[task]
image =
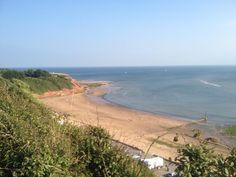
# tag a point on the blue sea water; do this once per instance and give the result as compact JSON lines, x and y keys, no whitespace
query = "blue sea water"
{"x":189,"y":92}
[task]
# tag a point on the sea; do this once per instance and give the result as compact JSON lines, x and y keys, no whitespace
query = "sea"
{"x":189,"y":92}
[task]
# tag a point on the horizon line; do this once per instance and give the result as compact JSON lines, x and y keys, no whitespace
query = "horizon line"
{"x":128,"y":66}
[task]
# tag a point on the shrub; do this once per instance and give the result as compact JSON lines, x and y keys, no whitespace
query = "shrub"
{"x":33,"y":73}
{"x":10,"y":74}
{"x":36,"y":73}
{"x":230,"y":163}
{"x":201,"y":161}
{"x":93,"y":147}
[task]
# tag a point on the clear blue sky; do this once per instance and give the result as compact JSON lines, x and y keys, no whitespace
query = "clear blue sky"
{"x":37,"y":33}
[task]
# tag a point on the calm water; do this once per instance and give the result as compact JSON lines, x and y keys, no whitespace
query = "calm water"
{"x":189,"y":92}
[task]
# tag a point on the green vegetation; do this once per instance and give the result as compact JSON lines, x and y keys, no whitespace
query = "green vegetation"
{"x":230,"y":130}
{"x":39,"y":81}
{"x":51,"y":83}
{"x":201,"y":161}
{"x":34,"y":144}
{"x":93,"y":85}
{"x":12,"y":74}
{"x":36,"y":73}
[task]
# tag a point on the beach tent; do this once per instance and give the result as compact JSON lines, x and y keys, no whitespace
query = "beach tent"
{"x":154,"y":162}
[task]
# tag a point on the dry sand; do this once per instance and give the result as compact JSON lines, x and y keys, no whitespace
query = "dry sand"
{"x":132,"y":127}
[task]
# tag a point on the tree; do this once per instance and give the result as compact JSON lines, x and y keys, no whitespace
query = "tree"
{"x":36,"y":73}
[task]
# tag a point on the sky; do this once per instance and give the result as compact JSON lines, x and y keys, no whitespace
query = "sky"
{"x":81,"y":33}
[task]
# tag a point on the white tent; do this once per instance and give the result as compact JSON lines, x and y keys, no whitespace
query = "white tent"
{"x":154,"y":162}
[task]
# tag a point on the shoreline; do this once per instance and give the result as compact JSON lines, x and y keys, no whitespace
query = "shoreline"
{"x":201,"y":124}
{"x":100,"y":97}
{"x":130,"y":126}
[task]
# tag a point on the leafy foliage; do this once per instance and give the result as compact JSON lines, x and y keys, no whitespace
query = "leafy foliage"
{"x":201,"y":161}
{"x":93,"y":146}
{"x":36,"y":73}
{"x":12,"y":74}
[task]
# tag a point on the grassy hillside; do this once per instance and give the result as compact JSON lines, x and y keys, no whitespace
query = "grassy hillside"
{"x":51,"y":83}
{"x":33,"y":143}
{"x":39,"y":81}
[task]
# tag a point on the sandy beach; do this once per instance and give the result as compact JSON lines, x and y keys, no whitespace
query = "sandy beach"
{"x":85,"y":105}
{"x":132,"y":127}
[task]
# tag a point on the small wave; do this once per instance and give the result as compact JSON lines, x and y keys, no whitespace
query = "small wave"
{"x":210,"y":83}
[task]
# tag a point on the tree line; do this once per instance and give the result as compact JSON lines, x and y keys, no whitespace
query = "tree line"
{"x":15,"y":74}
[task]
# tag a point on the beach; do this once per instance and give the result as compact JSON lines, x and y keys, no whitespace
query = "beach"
{"x":135,"y":128}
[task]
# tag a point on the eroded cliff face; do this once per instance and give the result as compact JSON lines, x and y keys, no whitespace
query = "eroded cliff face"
{"x":77,"y":88}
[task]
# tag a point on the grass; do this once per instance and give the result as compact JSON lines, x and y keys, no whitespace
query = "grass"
{"x":93,"y":85}
{"x":51,"y":83}
{"x":230,"y":130}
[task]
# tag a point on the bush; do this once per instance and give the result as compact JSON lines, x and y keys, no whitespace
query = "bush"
{"x":14,"y":74}
{"x":36,"y":73}
{"x":93,"y":147}
{"x":200,"y":161}
{"x":101,"y":158}
{"x":11,"y":74}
